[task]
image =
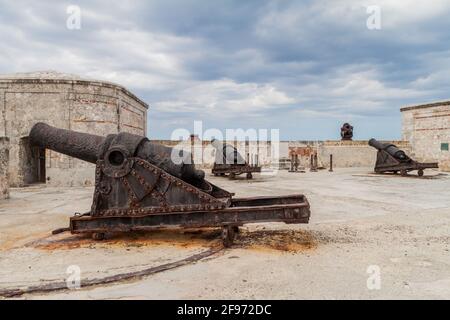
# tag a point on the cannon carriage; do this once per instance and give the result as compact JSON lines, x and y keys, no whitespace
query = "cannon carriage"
{"x":141,"y":185}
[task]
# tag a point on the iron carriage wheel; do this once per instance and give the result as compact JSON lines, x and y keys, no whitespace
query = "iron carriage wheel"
{"x":228,"y":235}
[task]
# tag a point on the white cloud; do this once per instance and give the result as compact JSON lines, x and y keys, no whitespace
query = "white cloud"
{"x":227,"y":98}
{"x":410,"y":12}
{"x":366,"y":85}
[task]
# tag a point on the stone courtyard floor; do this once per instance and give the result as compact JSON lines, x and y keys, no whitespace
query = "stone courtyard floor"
{"x":361,"y":223}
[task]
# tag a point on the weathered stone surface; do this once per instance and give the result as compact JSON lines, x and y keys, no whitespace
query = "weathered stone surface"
{"x":346,"y":154}
{"x":4,"y":163}
{"x":65,"y":101}
{"x":427,"y":128}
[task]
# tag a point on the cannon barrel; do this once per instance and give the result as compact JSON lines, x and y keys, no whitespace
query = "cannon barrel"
{"x":390,"y":149}
{"x":90,"y":148}
{"x":376,"y":144}
{"x":79,"y":145}
{"x":226,"y":153}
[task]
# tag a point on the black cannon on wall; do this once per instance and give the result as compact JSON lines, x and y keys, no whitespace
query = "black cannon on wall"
{"x":229,"y":161}
{"x":141,"y":185}
{"x":346,"y":132}
{"x":392,"y":159}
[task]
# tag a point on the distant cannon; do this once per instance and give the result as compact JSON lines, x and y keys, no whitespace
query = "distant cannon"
{"x":391,"y":159}
{"x":346,"y":132}
{"x":229,"y":161}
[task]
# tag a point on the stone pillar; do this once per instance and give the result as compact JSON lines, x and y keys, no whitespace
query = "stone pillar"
{"x":4,"y":163}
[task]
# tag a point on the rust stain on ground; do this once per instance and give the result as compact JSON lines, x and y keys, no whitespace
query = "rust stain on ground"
{"x":179,"y":238}
{"x":278,"y":240}
{"x":14,"y":241}
{"x":293,"y":241}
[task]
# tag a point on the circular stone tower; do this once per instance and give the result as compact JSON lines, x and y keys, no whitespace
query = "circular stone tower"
{"x":65,"y":101}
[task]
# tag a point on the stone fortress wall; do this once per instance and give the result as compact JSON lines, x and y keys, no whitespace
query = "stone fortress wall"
{"x":427,"y":127}
{"x":267,"y":154}
{"x":64,"y":101}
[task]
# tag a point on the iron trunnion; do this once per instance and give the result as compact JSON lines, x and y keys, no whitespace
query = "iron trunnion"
{"x":139,"y":187}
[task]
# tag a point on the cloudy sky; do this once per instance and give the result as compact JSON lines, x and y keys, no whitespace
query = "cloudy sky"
{"x":302,"y":66}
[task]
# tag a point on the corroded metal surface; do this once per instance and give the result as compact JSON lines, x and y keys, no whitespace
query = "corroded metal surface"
{"x":392,"y":159}
{"x":347,"y":132}
{"x":90,"y":148}
{"x":75,"y":144}
{"x":139,"y":187}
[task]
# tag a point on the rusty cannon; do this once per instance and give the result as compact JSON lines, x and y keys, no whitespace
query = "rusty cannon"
{"x":346,"y":132}
{"x":229,"y":161}
{"x":141,"y":185}
{"x":391,"y":159}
